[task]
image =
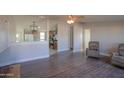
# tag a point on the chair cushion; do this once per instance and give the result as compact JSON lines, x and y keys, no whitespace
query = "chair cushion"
{"x":93,"y":53}
{"x":118,"y":59}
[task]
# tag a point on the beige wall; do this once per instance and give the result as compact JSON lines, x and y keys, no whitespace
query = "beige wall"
{"x":109,"y":34}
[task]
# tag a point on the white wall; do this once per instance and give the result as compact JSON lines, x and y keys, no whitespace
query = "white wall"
{"x":78,"y":37}
{"x":109,"y":34}
{"x":11,"y":30}
{"x":24,"y":52}
{"x":52,"y":24}
{"x":63,"y":33}
{"x":63,"y":36}
{"x":3,"y":34}
{"x":23,"y":22}
{"x":17,"y":52}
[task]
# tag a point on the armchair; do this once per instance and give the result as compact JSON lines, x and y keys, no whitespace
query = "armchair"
{"x":118,"y":58}
{"x":93,"y":50}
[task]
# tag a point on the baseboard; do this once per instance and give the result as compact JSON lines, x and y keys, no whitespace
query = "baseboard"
{"x":61,"y":50}
{"x":31,"y":59}
{"x":23,"y":60}
{"x":80,"y":50}
{"x":104,"y":54}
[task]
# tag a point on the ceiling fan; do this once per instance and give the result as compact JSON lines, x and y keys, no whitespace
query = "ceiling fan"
{"x":74,"y":18}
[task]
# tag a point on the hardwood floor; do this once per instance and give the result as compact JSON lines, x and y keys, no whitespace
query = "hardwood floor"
{"x":70,"y":65}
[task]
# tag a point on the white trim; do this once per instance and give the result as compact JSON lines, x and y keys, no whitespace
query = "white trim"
{"x":104,"y":54}
{"x":23,"y":60}
{"x":61,"y":50}
{"x":78,"y":50}
{"x":31,"y":59}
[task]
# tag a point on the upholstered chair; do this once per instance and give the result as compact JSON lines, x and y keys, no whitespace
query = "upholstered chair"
{"x":118,"y":58}
{"x":93,"y":50}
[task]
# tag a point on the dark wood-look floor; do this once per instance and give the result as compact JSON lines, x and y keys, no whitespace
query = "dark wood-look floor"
{"x":70,"y":65}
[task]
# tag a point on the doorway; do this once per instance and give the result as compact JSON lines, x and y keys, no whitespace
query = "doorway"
{"x":53,"y":41}
{"x":71,"y":38}
{"x":87,"y":39}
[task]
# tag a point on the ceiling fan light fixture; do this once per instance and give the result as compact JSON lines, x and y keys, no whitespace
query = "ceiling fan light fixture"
{"x":70,"y":20}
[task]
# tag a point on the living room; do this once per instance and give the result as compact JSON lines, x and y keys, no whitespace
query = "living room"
{"x":25,"y":40}
{"x":66,"y":46}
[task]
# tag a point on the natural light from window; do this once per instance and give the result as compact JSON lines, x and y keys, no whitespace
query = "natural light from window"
{"x":42,"y":36}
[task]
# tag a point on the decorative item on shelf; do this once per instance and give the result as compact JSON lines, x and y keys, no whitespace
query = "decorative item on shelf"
{"x":70,"y":19}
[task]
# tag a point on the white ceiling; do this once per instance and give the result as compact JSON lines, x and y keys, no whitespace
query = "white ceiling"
{"x":99,"y":18}
{"x":82,"y":18}
{"x":91,"y":18}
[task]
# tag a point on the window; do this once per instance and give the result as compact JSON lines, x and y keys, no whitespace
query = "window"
{"x":17,"y":37}
{"x":42,"y":36}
